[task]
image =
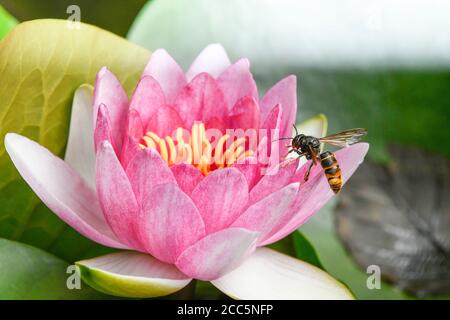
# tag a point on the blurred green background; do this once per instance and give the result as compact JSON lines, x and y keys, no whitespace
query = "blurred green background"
{"x":369,"y":66}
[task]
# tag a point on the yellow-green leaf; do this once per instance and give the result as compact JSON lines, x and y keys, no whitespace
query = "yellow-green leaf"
{"x":42,"y":62}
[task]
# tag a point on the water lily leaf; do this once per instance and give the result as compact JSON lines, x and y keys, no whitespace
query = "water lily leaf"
{"x":285,"y":245}
{"x":112,"y":15}
{"x":320,"y":231}
{"x":42,"y":62}
{"x":354,"y":88}
{"x":305,"y":251}
{"x":297,"y":245}
{"x":398,"y":218}
{"x":7,"y":22}
{"x":205,"y":290}
{"x":27,"y":272}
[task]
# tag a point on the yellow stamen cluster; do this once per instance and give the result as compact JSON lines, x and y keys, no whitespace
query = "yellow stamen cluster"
{"x":197,"y":150}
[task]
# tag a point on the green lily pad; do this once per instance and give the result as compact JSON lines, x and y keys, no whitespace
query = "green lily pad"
{"x":112,"y":15}
{"x":304,"y":250}
{"x":7,"y":22}
{"x":27,"y":272}
{"x":297,"y":245}
{"x":42,"y":62}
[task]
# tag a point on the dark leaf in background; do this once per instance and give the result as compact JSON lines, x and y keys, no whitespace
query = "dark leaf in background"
{"x":321,"y":232}
{"x":113,"y":15}
{"x":398,"y":218}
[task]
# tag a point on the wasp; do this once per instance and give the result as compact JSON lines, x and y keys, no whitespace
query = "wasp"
{"x":310,"y":147}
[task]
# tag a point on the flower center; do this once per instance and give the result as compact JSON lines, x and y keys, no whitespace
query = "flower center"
{"x":196,"y":148}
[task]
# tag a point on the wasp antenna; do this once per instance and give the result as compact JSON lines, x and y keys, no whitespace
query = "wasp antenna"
{"x":284,"y":138}
{"x":296,"y":130}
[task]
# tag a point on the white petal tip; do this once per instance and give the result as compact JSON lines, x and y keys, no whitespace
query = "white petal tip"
{"x":9,"y":137}
{"x":215,"y":46}
{"x":103,"y":71}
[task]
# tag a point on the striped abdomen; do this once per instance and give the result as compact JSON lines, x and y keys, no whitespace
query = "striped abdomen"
{"x":332,"y":170}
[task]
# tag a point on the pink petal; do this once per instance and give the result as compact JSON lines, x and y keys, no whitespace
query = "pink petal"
{"x":61,"y":189}
{"x":221,"y":124}
{"x":147,"y":170}
{"x":245,"y":114}
{"x":275,"y":179}
{"x":109,"y":91}
{"x":116,"y":196}
{"x":276,"y":148}
{"x":250,"y":169}
{"x":163,"y":68}
{"x":147,"y":98}
{"x":273,"y":118}
{"x":213,"y":60}
{"x":201,"y":100}
{"x":284,"y":93}
{"x":171,"y":222}
{"x":130,"y":149}
{"x":237,"y":82}
{"x":102,"y":131}
{"x":307,"y":191}
{"x":135,"y":131}
{"x":135,"y":127}
{"x":187,"y":176}
{"x":316,"y":192}
{"x":301,"y":170}
{"x":165,"y":121}
{"x":263,"y":215}
{"x":221,"y":197}
{"x":216,"y":254}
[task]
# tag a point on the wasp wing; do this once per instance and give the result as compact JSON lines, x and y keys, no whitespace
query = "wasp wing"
{"x":344,"y":138}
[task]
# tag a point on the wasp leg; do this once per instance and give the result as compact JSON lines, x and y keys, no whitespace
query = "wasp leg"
{"x":294,"y":150}
{"x":290,"y":151}
{"x":299,"y":153}
{"x":306,"y":177}
{"x":291,"y":160}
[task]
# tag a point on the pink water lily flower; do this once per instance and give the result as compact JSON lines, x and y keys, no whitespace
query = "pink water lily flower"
{"x":143,"y":175}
